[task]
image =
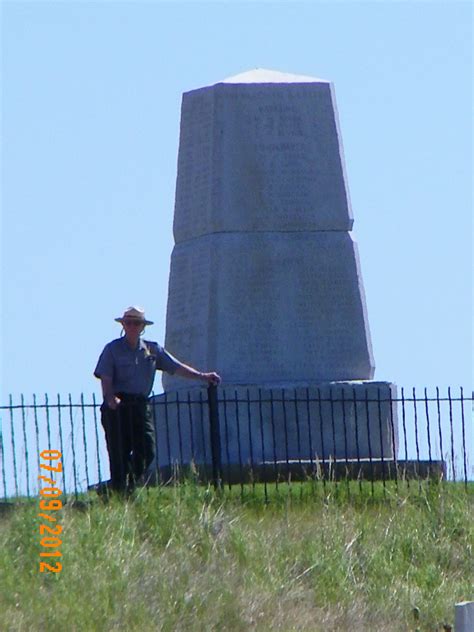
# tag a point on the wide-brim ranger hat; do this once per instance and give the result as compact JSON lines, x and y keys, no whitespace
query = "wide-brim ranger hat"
{"x":136,"y":313}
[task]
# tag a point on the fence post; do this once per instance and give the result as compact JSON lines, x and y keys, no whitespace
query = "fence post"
{"x":215,"y":436}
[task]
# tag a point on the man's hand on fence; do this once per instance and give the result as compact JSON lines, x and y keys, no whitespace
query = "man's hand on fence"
{"x":213,"y":379}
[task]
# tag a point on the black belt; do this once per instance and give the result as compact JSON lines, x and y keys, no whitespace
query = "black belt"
{"x":132,"y":397}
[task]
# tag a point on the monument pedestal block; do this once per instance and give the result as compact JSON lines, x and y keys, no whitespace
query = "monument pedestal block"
{"x":269,"y":307}
{"x":278,"y":426}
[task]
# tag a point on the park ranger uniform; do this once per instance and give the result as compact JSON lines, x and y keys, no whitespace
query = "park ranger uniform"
{"x":129,"y":430}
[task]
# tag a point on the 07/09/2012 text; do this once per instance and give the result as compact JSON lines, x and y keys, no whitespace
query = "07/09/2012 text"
{"x":50,"y":502}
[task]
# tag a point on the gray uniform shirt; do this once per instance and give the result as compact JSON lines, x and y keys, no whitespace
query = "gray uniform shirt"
{"x":133,"y":370}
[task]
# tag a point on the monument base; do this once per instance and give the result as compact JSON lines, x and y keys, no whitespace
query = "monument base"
{"x":300,"y":471}
{"x":263,"y":426}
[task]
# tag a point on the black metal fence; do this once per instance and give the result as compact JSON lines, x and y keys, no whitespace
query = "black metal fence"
{"x":244,"y":437}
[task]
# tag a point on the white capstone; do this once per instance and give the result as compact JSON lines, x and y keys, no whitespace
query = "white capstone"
{"x":262,"y":75}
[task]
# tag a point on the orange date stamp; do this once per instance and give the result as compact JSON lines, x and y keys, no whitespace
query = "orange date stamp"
{"x":50,"y":502}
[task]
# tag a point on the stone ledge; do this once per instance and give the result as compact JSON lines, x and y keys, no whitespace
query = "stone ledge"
{"x":331,"y":420}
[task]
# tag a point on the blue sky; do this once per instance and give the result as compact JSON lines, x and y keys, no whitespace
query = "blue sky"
{"x":91,"y":95}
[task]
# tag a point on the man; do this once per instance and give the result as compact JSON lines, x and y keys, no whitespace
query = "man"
{"x":126,"y":369}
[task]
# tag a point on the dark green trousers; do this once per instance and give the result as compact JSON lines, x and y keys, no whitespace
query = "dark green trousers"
{"x":130,"y":437}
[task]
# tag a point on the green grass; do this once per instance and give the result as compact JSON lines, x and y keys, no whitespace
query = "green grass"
{"x":186,"y":558}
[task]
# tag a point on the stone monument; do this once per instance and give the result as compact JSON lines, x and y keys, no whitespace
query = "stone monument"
{"x":265,"y":284}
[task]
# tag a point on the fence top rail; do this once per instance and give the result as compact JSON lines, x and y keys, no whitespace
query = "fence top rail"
{"x":233,"y":397}
{"x":48,"y":406}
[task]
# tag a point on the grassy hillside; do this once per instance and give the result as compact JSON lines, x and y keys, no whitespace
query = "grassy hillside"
{"x":188,"y":559}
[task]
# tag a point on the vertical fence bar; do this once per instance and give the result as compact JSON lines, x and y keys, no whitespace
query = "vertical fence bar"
{"x":344,"y":424}
{"x":191,"y":431}
{"x":356,"y":422}
{"x":394,"y":443}
{"x":203,"y":434}
{"x":428,"y":434}
{"x":252,"y":462}
{"x":23,"y":420}
{"x":167,"y":426}
{"x":452,"y":433}
{"x":94,"y":408}
{"x":215,"y":437}
{"x":298,"y":441}
{"x":405,"y":437}
{"x":369,"y":441}
{"x":438,"y":406}
{"x":239,"y":445}
{"x":35,"y":411}
{"x":264,"y":467}
{"x":321,"y":432}
{"x":285,"y":423}
{"x":73,"y":447}
{"x":275,"y":463}
{"x":84,"y":439}
{"x":61,"y":442}
{"x":463,"y":430}
{"x":379,"y":410}
{"x":48,"y":424}
{"x":331,"y":403}
{"x":310,"y":436}
{"x":2,"y":457}
{"x":157,"y":474}
{"x":180,"y":437}
{"x":12,"y":438}
{"x":226,"y":426}
{"x":415,"y":412}
{"x":48,"y":428}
